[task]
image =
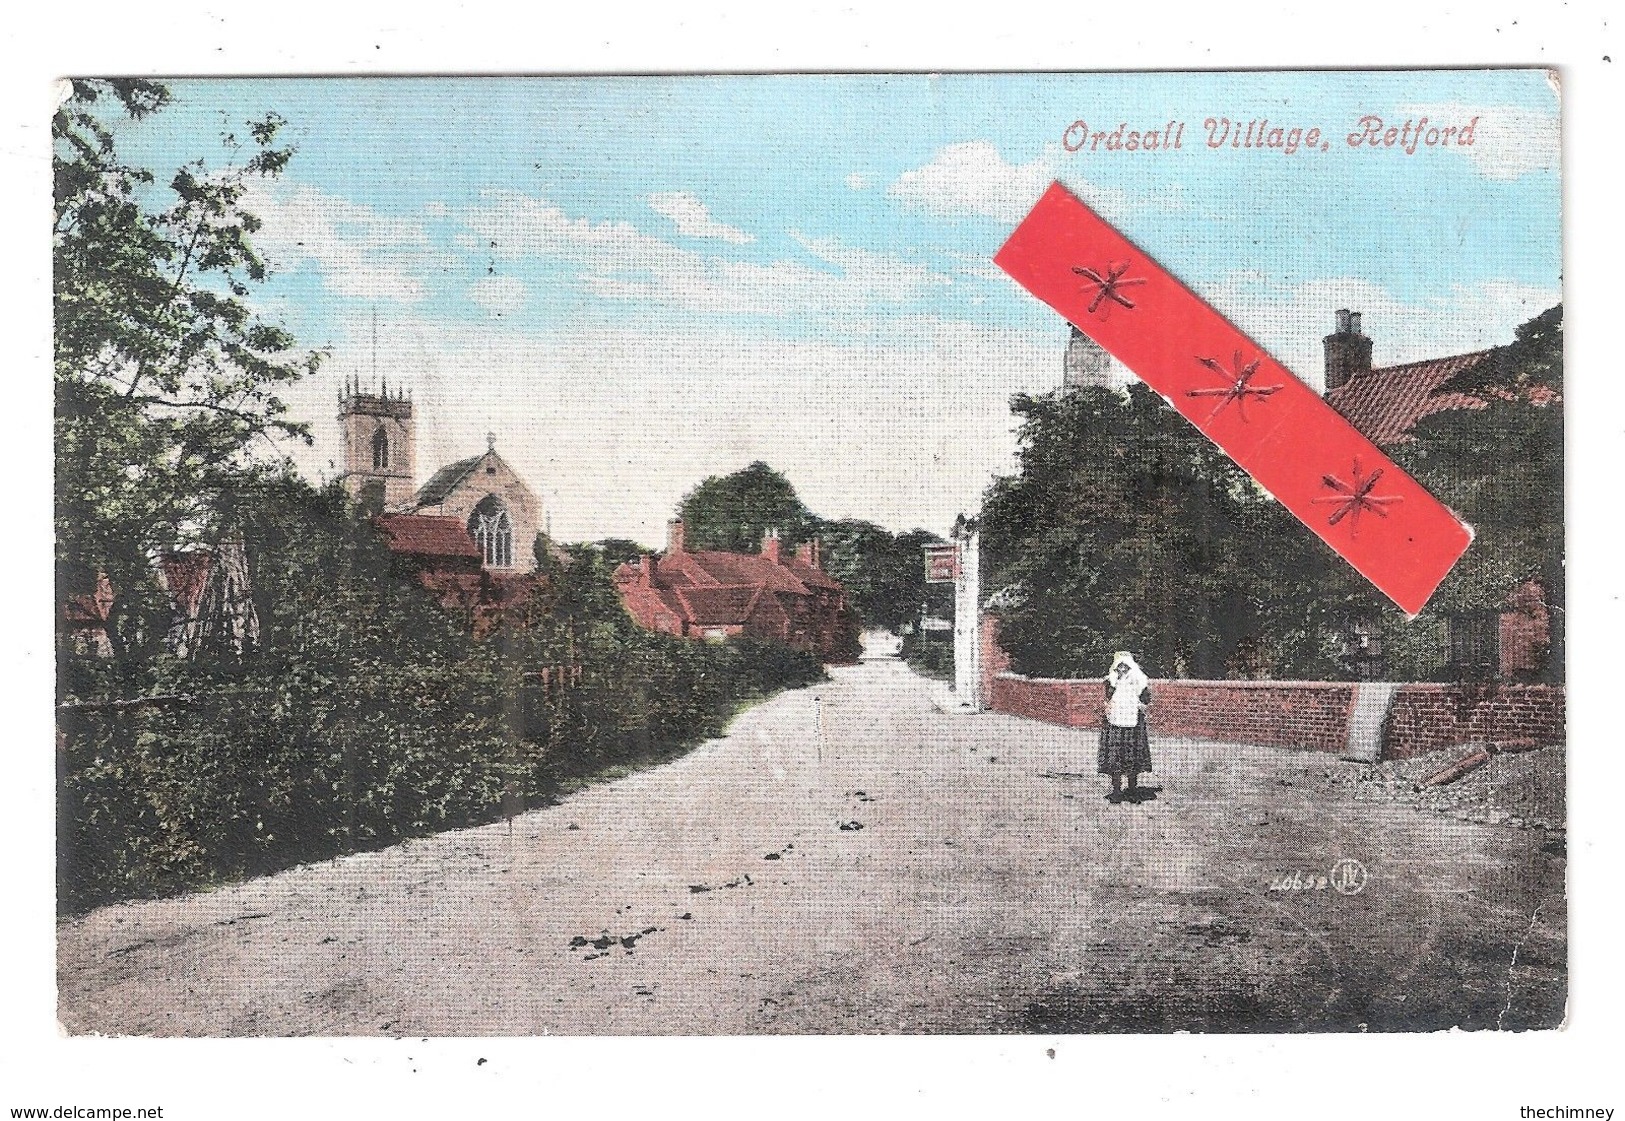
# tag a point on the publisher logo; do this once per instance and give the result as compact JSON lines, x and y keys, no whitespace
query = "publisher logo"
{"x":1348,"y":876}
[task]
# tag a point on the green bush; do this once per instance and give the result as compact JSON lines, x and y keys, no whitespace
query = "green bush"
{"x":930,"y":654}
{"x":368,"y":715}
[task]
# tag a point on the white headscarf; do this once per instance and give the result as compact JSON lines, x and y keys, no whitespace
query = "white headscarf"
{"x":1136,"y":678}
{"x":1124,"y":707}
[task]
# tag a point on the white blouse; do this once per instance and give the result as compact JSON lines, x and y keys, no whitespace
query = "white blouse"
{"x":1124,"y":708}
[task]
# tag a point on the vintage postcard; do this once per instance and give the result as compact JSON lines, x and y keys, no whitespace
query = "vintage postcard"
{"x":810,"y":554}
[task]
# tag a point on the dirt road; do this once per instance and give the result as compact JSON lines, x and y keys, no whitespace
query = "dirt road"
{"x":849,"y":859}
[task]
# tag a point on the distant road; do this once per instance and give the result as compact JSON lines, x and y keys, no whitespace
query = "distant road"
{"x":850,"y":859}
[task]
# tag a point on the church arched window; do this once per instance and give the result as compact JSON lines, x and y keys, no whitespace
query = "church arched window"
{"x":492,"y":531}
{"x":380,"y":449}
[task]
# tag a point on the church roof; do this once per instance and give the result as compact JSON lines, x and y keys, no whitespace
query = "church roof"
{"x":445,"y":480}
{"x":423,"y":535}
{"x":1385,"y":404}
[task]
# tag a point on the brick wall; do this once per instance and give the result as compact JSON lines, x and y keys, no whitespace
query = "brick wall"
{"x":994,"y":660}
{"x":1305,"y":715}
{"x":1077,"y":704}
{"x":1427,"y":717}
{"x":1525,"y":629}
{"x":1301,"y":715}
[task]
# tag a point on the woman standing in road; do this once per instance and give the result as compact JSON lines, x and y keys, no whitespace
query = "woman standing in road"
{"x":1125,"y":743}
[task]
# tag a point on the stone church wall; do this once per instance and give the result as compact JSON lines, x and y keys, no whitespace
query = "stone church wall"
{"x":493,"y":476}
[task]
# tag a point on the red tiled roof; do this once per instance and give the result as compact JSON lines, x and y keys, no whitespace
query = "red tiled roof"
{"x":816,"y":577}
{"x":748,"y":593}
{"x":90,"y":608}
{"x":1386,"y":403}
{"x":718,"y":569}
{"x":423,"y":535}
{"x":718,"y":606}
{"x":185,"y":576}
{"x":727,"y":569}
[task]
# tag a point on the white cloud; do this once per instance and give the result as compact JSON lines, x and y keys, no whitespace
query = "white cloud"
{"x":500,"y":294}
{"x":1508,"y":142}
{"x":858,"y":181}
{"x":972,"y":178}
{"x":693,"y":219}
{"x":981,"y":267}
{"x":882,"y":276}
{"x":620,"y":262}
{"x":517,"y":225}
{"x":358,"y":251}
{"x":904,"y":434}
{"x":1289,"y":321}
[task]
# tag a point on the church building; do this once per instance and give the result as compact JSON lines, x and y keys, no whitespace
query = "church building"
{"x":481,"y":496}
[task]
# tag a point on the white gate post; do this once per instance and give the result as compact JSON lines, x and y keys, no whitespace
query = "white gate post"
{"x":967,"y":624}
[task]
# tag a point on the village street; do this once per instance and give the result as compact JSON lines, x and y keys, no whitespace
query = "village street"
{"x":851,"y":859}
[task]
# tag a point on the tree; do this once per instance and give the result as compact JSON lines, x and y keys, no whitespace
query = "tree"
{"x":733,"y":512}
{"x":619,"y":549}
{"x":368,"y":713}
{"x":1501,"y":468}
{"x":166,"y":381}
{"x":883,"y":573}
{"x":1126,"y":529}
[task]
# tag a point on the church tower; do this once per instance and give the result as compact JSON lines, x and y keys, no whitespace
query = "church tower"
{"x":1086,"y":363}
{"x":380,"y":446}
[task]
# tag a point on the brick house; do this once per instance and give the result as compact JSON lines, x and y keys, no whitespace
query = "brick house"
{"x":439,"y":554}
{"x":83,"y":622}
{"x":467,"y":535}
{"x":211,"y":599}
{"x":712,"y":595}
{"x":1385,"y":403}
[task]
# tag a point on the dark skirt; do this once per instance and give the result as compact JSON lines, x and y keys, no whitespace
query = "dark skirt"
{"x":1125,"y":751}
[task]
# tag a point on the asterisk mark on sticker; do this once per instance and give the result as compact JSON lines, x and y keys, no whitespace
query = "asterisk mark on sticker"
{"x":1353,"y":497}
{"x":1108,"y":286}
{"x":1240,"y":387}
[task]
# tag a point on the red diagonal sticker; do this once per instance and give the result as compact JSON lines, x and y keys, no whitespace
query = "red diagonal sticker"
{"x":1275,"y":427}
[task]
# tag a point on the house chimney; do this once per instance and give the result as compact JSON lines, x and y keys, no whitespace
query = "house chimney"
{"x":770,"y":545}
{"x":646,"y":570}
{"x":1348,"y":351}
{"x":807,"y":554}
{"x":674,"y":536}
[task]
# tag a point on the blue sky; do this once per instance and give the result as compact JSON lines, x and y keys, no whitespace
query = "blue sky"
{"x":635,"y":282}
